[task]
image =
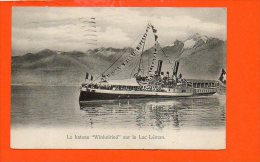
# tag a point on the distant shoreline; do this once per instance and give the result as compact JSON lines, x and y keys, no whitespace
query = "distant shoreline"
{"x":47,"y":85}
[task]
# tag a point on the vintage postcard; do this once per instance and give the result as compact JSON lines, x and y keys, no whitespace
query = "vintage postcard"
{"x":118,"y":78}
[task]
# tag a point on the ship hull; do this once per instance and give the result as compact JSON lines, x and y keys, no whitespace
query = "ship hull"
{"x":96,"y":94}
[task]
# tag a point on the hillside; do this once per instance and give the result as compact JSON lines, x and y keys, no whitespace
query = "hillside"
{"x":200,"y":57}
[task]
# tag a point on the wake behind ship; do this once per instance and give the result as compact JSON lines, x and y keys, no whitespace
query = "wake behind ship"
{"x":141,"y":83}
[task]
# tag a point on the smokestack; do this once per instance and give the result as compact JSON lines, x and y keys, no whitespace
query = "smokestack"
{"x":159,"y":67}
{"x":176,"y":67}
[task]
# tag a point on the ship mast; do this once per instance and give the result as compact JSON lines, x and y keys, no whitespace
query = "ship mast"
{"x":141,"y":61}
{"x":137,"y":52}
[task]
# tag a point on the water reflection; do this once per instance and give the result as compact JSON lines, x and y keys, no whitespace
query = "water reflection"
{"x":203,"y":112}
{"x":58,"y":106}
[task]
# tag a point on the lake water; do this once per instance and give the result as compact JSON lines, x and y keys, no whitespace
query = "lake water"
{"x":58,"y":107}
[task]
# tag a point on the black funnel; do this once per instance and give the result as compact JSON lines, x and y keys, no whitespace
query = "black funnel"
{"x":176,"y":67}
{"x":159,"y":67}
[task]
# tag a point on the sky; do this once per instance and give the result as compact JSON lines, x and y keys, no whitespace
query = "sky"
{"x":69,"y":28}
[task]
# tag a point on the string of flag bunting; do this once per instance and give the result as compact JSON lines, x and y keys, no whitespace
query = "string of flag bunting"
{"x":133,"y":54}
{"x":157,"y":43}
{"x":155,"y":51}
{"x":153,"y":61}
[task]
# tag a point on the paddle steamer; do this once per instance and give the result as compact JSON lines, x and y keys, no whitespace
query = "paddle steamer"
{"x":153,"y":84}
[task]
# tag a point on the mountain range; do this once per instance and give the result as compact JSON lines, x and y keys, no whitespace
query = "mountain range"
{"x":200,"y":57}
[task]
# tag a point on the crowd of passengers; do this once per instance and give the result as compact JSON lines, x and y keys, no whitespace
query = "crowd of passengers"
{"x":126,"y":88}
{"x":158,"y":88}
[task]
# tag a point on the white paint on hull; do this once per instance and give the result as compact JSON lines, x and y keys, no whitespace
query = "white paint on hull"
{"x":147,"y":93}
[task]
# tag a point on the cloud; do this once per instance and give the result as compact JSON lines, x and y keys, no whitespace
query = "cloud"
{"x":36,"y":28}
{"x":112,"y":37}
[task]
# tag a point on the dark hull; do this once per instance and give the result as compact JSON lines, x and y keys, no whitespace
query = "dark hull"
{"x":204,"y":94}
{"x":89,"y":96}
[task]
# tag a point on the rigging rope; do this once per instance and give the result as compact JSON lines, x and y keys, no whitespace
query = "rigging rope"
{"x":165,"y":55}
{"x":123,"y":53}
{"x":109,"y":67}
{"x":135,"y":66}
{"x":135,"y":53}
{"x":132,"y":55}
{"x":141,"y":60}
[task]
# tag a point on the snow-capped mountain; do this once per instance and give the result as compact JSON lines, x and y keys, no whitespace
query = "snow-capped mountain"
{"x":200,"y":57}
{"x":195,"y":40}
